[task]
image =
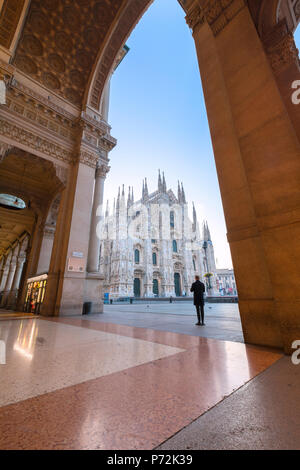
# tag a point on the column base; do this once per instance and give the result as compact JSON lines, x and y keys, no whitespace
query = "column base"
{"x":260,"y":323}
{"x":94,"y":291}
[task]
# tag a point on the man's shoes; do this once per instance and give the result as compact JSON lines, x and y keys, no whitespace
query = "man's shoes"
{"x":203,"y":324}
{"x":198,"y":323}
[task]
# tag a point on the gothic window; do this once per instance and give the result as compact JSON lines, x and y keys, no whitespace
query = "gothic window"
{"x":175,"y":249}
{"x":194,"y":263}
{"x":154,"y":259}
{"x":172,"y":219}
{"x":136,"y":256}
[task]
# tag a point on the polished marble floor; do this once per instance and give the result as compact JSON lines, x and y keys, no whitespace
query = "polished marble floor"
{"x":75,"y":383}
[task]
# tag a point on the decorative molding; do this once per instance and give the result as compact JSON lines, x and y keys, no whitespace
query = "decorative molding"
{"x":4,"y":150}
{"x":44,"y":104}
{"x":195,"y":17}
{"x":34,"y":142}
{"x":88,"y":158}
{"x":280,"y":48}
{"x":96,"y":134}
{"x":283,"y":54}
{"x":219,"y":13}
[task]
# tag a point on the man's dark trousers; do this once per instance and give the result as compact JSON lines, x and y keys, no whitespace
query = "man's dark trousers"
{"x":199,"y":308}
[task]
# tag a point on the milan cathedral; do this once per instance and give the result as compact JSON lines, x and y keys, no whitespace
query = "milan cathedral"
{"x":151,"y":248}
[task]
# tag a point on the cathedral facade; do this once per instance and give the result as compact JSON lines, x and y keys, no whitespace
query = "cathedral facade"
{"x":152,"y":248}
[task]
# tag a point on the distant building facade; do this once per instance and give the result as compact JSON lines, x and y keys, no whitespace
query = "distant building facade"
{"x":226,"y":282}
{"x":151,"y":248}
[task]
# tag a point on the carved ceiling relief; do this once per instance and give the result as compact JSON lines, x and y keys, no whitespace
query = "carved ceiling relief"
{"x":128,"y":19}
{"x":9,"y":19}
{"x":61,"y":40}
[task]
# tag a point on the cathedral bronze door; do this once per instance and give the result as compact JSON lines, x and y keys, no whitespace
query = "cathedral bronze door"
{"x":177,"y":284}
{"x":155,"y":287}
{"x":137,"y":287}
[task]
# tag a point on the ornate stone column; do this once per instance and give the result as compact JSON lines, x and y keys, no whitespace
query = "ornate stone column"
{"x":5,"y":272}
{"x":9,"y":280}
{"x":12,"y":296}
{"x":257,"y":158}
{"x":21,"y":258}
{"x":94,"y":244}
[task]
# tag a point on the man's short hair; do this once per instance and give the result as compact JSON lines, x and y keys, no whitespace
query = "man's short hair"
{"x":197,"y":278}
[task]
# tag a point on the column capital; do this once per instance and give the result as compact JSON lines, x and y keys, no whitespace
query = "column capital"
{"x":217,"y":13}
{"x":102,"y":170}
{"x":195,"y":16}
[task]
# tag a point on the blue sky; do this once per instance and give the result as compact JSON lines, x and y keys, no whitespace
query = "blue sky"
{"x":158,"y":115}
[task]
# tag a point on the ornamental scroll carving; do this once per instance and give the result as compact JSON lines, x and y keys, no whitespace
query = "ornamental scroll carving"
{"x":281,"y":48}
{"x":217,"y":13}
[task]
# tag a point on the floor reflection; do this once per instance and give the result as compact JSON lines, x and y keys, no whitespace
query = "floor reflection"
{"x":26,"y":339}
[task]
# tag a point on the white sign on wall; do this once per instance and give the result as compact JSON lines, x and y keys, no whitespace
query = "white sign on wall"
{"x":2,"y":92}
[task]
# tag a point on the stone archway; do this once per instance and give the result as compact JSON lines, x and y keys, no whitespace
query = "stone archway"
{"x":53,"y":111}
{"x":35,"y":182}
{"x":256,"y":150}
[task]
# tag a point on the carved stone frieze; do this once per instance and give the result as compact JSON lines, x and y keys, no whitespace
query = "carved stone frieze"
{"x":88,"y":158}
{"x":34,"y":142}
{"x":39,"y":111}
{"x":96,"y":133}
{"x":217,"y":13}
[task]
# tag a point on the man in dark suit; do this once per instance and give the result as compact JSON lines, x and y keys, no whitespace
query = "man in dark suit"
{"x":199,"y":288}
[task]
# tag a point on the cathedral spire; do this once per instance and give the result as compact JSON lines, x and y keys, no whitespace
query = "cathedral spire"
{"x":179,"y":196}
{"x":194,"y":214}
{"x":164,"y":184}
{"x":183,"y":194}
{"x":208,"y":232}
{"x":159,"y":182}
{"x":143,"y":191}
{"x":118,"y":201}
{"x":129,"y":198}
{"x":107,"y":209}
{"x":132,"y":196}
{"x":146,"y":189}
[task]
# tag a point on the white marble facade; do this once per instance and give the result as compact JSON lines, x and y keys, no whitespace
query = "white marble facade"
{"x":151,"y":248}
